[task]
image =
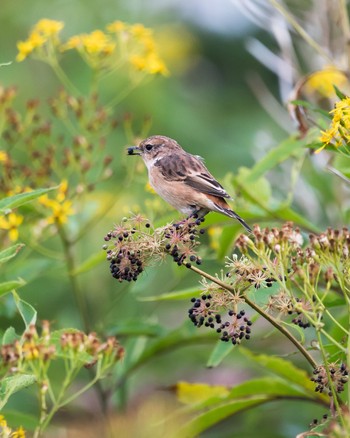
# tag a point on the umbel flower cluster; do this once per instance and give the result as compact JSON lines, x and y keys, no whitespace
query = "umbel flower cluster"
{"x":35,"y":351}
{"x":32,"y":150}
{"x":121,"y":43}
{"x":299,"y":272}
{"x":134,"y":244}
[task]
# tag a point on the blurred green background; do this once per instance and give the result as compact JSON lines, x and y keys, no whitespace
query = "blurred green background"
{"x":208,"y":106}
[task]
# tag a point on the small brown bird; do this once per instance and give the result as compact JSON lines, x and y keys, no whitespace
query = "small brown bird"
{"x":181,"y":179}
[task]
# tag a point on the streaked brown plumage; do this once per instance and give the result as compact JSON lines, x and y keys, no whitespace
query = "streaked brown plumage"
{"x":182,"y":179}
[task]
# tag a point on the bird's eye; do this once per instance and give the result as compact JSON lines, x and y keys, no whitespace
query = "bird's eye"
{"x":148,"y":147}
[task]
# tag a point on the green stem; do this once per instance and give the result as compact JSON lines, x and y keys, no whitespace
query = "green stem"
{"x":344,"y":17}
{"x":70,"y":264}
{"x":331,"y":386}
{"x":298,"y":29}
{"x":265,"y":315}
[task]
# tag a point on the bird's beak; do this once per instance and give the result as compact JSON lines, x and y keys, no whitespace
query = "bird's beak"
{"x":134,"y":150}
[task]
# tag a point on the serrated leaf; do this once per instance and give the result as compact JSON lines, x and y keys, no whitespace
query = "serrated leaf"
{"x":90,"y":263}
{"x":8,"y":253}
{"x":185,"y":294}
{"x":8,"y":286}
{"x":9,"y":336}
{"x":27,"y":312}
{"x":22,"y":198}
{"x":220,"y":351}
{"x":213,"y":416}
{"x":10,"y":385}
{"x":193,"y":393}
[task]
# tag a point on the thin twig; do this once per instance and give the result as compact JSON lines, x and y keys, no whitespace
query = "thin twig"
{"x":265,"y":315}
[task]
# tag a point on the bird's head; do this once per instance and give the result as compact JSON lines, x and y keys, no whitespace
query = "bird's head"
{"x":154,"y":147}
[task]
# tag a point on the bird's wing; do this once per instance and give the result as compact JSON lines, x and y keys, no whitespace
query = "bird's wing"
{"x":191,"y":170}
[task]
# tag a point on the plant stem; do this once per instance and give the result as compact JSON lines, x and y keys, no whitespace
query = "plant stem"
{"x":265,"y":315}
{"x":298,"y":29}
{"x":70,"y":263}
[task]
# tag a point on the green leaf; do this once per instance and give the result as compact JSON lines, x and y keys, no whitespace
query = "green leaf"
{"x":287,"y":214}
{"x":19,"y":418}
{"x":339,"y":93}
{"x":254,"y":183}
{"x":8,"y":286}
{"x":27,"y":312}
{"x":185,"y":335}
{"x":9,"y":336}
{"x":185,"y":294}
{"x":22,"y":198}
{"x":221,"y":350}
{"x":277,"y":155}
{"x":10,"y":385}
{"x":227,"y":238}
{"x":213,"y":416}
{"x":8,"y":253}
{"x":286,"y":370}
{"x":136,"y":327}
{"x":194,"y":393}
{"x":267,"y":386}
{"x":90,"y":263}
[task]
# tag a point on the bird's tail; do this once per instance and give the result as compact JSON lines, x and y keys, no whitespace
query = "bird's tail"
{"x":233,"y":214}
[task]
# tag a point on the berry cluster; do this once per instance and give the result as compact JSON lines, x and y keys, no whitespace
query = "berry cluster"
{"x":300,"y":319}
{"x":339,"y":376}
{"x":236,"y":328}
{"x":204,"y":312}
{"x":181,"y":241}
{"x":126,"y":260}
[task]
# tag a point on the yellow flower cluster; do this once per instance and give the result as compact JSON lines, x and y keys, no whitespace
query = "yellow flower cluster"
{"x":121,"y":44}
{"x":338,"y":134}
{"x":6,"y":431}
{"x":43,"y":32}
{"x":60,"y":207}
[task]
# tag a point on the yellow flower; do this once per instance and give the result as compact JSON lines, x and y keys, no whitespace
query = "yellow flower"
{"x":74,"y":42}
{"x":11,"y":223}
{"x":60,"y":207}
{"x":3,"y":422}
{"x":60,"y":210}
{"x":43,"y":31}
{"x":25,"y":48}
{"x":338,"y":133}
{"x":19,"y":433}
{"x":150,"y":63}
{"x":48,"y":27}
{"x":62,"y":191}
{"x":323,"y":81}
{"x":4,"y":429}
{"x":116,"y":26}
{"x":3,"y":157}
{"x":150,"y":189}
{"x":140,"y":31}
